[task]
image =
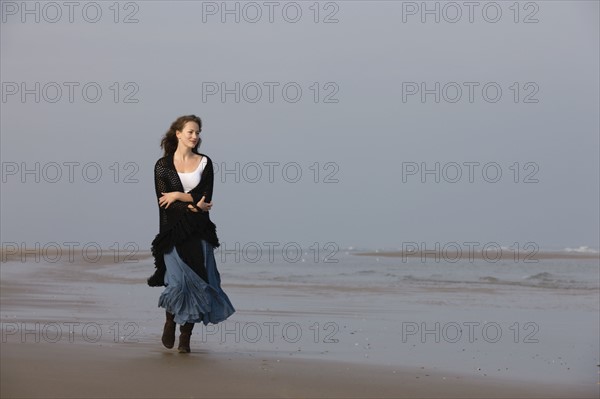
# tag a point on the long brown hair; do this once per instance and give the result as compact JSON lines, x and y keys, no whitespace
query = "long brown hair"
{"x":169,"y":140}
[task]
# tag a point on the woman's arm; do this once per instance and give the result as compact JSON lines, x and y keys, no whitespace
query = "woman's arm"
{"x":166,"y":197}
{"x":206,"y":183}
{"x":202,"y":194}
{"x":205,"y":200}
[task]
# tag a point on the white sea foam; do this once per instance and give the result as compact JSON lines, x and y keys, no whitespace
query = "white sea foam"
{"x":582,"y":249}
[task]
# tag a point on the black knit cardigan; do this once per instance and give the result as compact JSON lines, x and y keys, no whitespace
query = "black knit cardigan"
{"x":180,"y":227}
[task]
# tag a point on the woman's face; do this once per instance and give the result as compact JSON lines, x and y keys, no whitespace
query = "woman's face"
{"x":189,"y":136}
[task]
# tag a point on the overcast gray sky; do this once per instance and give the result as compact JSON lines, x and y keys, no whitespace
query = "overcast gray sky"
{"x":342,"y":92}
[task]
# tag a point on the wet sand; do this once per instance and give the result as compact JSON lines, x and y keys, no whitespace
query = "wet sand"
{"x":43,"y":370}
{"x":93,"y":330}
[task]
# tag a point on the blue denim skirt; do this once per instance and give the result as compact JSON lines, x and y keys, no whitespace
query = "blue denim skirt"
{"x":188,"y":297}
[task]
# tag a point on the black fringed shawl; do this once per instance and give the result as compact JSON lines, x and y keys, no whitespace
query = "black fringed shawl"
{"x":180,"y":226}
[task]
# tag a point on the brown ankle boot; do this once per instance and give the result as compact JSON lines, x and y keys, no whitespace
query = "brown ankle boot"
{"x":184,"y":337}
{"x":168,"y":336}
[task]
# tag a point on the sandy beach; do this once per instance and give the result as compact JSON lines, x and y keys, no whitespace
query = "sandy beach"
{"x":92,"y":329}
{"x":147,"y":370}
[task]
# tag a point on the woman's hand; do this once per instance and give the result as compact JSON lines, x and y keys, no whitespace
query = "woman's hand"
{"x":168,"y":198}
{"x":204,"y":206}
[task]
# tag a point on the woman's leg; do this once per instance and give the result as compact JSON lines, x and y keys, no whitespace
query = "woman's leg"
{"x":171,"y":277}
{"x":184,"y":337}
{"x":176,"y":276}
{"x":189,"y":299}
{"x":168,"y":336}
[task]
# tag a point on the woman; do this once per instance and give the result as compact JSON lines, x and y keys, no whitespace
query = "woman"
{"x":183,"y":249}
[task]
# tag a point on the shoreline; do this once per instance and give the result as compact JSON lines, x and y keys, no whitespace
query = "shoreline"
{"x":98,"y":335}
{"x":103,"y":256}
{"x":107,"y":256}
{"x":490,"y":255}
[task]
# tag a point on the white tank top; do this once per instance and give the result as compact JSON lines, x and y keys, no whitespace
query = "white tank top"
{"x":190,"y":180}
